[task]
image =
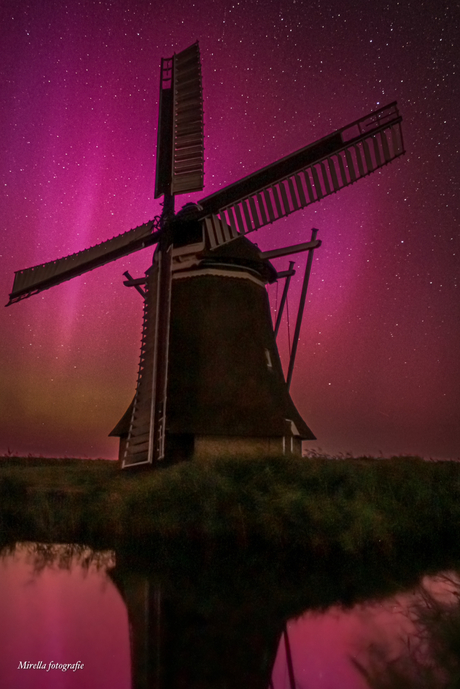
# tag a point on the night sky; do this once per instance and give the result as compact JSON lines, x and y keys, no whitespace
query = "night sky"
{"x":378,"y":362}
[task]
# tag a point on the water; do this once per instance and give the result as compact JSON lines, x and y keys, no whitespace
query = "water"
{"x":194,"y":628}
{"x":384,"y":638}
{"x":64,"y":612}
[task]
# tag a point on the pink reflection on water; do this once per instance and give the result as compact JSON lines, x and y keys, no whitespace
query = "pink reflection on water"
{"x":77,"y":614}
{"x":324,"y":645}
{"x":64,"y":616}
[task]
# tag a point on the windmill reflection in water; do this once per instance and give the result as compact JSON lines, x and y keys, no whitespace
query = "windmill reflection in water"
{"x":177,"y":643}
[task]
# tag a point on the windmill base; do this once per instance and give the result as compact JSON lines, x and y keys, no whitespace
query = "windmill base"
{"x":209,"y":447}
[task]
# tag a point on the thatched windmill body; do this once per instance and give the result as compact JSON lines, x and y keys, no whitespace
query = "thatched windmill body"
{"x":210,"y":379}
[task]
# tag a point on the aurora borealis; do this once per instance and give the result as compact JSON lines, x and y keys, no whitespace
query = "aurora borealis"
{"x":378,"y":362}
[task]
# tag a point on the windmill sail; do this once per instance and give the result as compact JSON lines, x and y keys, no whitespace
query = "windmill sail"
{"x":180,"y":147}
{"x":306,"y":176}
{"x":146,"y":437}
{"x":38,"y":278}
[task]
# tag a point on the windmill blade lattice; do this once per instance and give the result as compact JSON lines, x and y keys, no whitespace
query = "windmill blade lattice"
{"x":180,"y":147}
{"x":146,"y":437}
{"x":306,"y":176}
{"x":38,"y":278}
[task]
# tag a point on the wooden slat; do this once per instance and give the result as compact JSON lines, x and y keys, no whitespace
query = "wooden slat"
{"x":226,"y":230}
{"x":141,"y":415}
{"x":262,"y":211}
{"x":254,"y":215}
{"x":367,"y":157}
{"x":350,"y":165}
{"x":310,"y":193}
{"x":317,"y":183}
{"x":292,"y":195}
{"x":284,"y":199}
{"x":385,"y":147}
{"x":139,"y":445}
{"x":378,"y":157}
{"x":343,"y":173}
{"x":333,"y":172}
{"x":210,"y":232}
{"x":239,"y":220}
{"x":303,"y":200}
{"x":143,"y":429}
{"x":327,"y":186}
{"x":277,"y":200}
{"x":218,"y":230}
{"x":247,"y":217}
{"x":135,"y":459}
{"x":232,"y":220}
{"x":359,"y":160}
{"x":268,"y":201}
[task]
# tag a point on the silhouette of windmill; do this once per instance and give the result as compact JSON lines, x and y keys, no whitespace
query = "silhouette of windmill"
{"x":174,"y":645}
{"x":210,"y":379}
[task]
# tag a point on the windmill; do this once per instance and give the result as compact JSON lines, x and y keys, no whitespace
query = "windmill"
{"x":210,"y":378}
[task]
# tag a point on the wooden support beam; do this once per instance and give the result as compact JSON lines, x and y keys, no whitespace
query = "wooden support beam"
{"x":135,"y":282}
{"x":303,"y":297}
{"x":289,"y":274}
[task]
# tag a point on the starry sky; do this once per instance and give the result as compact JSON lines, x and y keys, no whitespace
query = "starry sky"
{"x":378,"y":361}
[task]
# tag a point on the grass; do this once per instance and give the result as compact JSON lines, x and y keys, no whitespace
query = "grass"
{"x":316,"y":505}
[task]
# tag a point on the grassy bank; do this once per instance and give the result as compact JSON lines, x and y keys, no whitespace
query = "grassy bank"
{"x":318,"y":506}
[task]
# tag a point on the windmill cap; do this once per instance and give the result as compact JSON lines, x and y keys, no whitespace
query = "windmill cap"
{"x":189,"y":210}
{"x":243,"y":252}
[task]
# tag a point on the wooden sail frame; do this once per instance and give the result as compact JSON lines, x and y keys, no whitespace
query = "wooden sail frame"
{"x":304,"y":177}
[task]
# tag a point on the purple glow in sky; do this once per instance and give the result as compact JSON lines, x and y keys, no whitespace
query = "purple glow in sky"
{"x":378,"y":362}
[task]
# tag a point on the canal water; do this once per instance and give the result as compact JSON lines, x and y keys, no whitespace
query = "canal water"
{"x":75,"y":618}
